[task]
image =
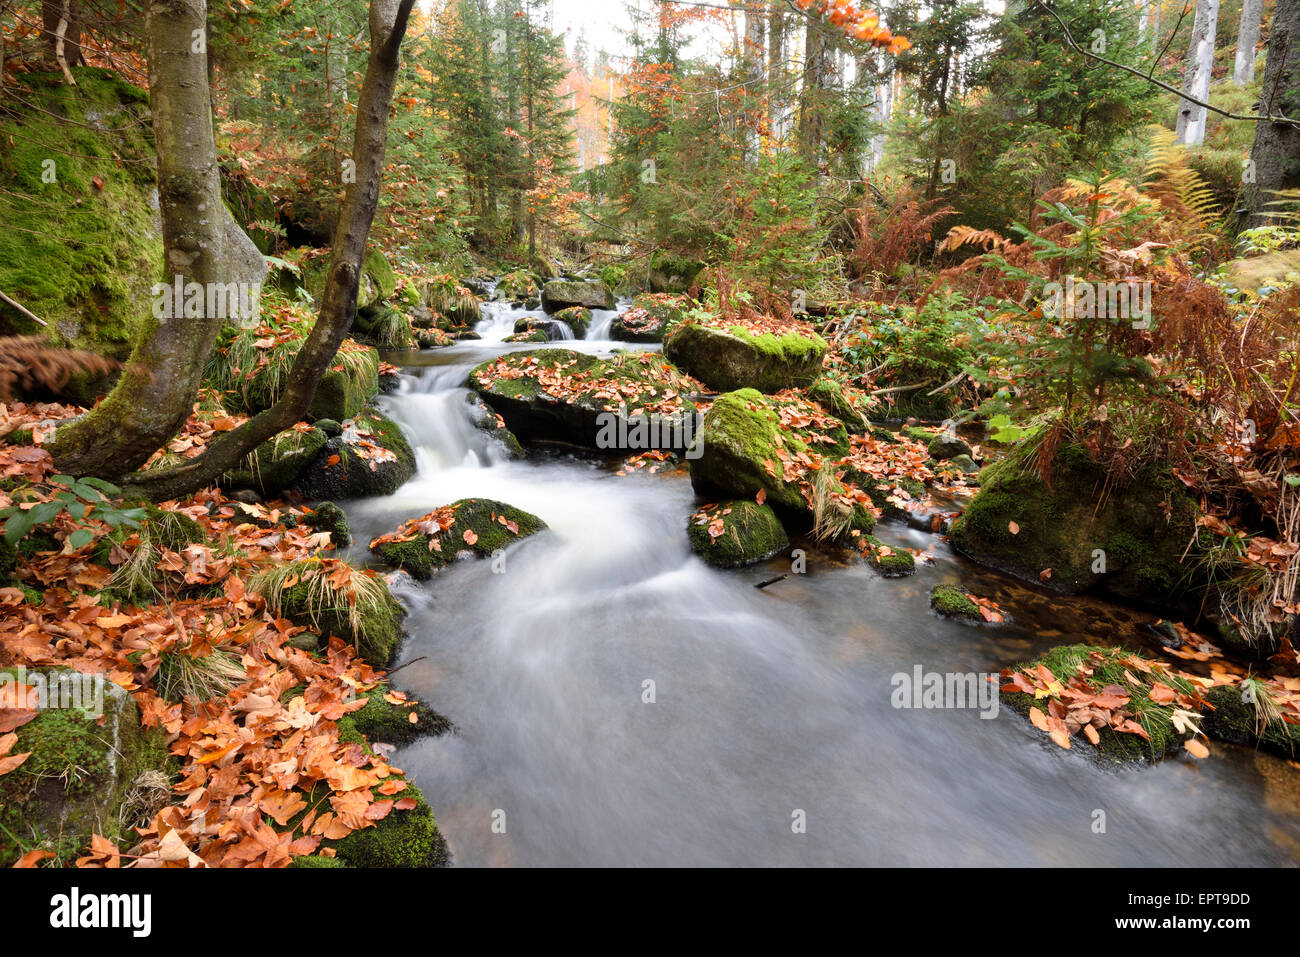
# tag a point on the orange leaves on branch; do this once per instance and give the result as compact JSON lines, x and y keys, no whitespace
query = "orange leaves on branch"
{"x":859,"y":24}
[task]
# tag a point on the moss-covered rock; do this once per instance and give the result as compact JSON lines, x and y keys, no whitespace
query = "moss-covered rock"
{"x":343,"y":392}
{"x":736,"y":533}
{"x":1127,"y":542}
{"x":562,"y":293}
{"x":387,"y":717}
{"x":947,"y":445}
{"x":276,"y":464}
{"x":743,"y":443}
{"x":582,"y":410}
{"x":832,"y":397}
{"x":371,"y":457}
{"x":330,"y":518}
{"x":374,"y":628}
{"x":951,"y":602}
{"x":80,"y":770}
{"x":82,"y":240}
{"x":577,"y":318}
{"x":670,"y":273}
{"x":733,"y":358}
{"x":402,"y":839}
{"x":1107,"y":666}
{"x":1235,"y":719}
{"x":527,"y":328}
{"x":889,"y":561}
{"x":535,"y":335}
{"x":517,"y":286}
{"x":650,"y":319}
{"x":479,"y":526}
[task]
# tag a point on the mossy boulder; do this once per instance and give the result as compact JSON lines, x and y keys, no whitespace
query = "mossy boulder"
{"x":534,"y":335}
{"x":833,"y":397}
{"x":276,"y":464}
{"x":444,"y":296}
{"x":591,"y":405}
{"x":650,"y":319}
{"x":478,"y":526}
{"x":947,"y":445}
{"x":82,"y":243}
{"x":387,"y":717}
{"x":949,"y":601}
{"x":1125,"y":541}
{"x":670,"y":273}
{"x":549,"y":329}
{"x":560,"y":294}
{"x":1113,"y":747}
{"x":743,"y":442}
{"x":1234,"y":719}
{"x":375,"y":628}
{"x":343,"y":392}
{"x":371,"y":457}
{"x":80,"y":770}
{"x":890,"y":561}
{"x":330,"y":518}
{"x":406,"y":839}
{"x":378,"y":281}
{"x":577,"y":318}
{"x":734,"y":358}
{"x":736,"y":533}
{"x":517,"y":286}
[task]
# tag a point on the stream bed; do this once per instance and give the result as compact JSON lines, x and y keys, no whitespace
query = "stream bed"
{"x":770,"y":706}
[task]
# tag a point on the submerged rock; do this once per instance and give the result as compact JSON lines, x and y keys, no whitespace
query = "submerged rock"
{"x":728,"y":358}
{"x":1127,"y":542}
{"x":736,"y":533}
{"x":479,"y":526}
{"x":946,"y":445}
{"x":562,"y":293}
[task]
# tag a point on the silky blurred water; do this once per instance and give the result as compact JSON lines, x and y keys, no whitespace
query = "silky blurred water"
{"x":767,"y":702}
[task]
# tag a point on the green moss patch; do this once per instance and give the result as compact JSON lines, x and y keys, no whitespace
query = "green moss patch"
{"x":952,"y":602}
{"x":733,"y":357}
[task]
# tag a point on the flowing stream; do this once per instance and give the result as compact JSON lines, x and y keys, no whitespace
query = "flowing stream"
{"x":766,"y":703}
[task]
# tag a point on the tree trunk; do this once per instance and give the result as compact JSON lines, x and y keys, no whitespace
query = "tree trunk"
{"x":1190,"y":125}
{"x":754,"y":70}
{"x":1276,"y":153}
{"x":61,"y":26}
{"x":1243,"y":70}
{"x":815,"y":67}
{"x":202,"y":244}
{"x":776,"y":68}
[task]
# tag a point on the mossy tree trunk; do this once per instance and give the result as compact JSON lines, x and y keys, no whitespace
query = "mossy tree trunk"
{"x":388,"y":23}
{"x":202,"y":244}
{"x":1276,"y":153}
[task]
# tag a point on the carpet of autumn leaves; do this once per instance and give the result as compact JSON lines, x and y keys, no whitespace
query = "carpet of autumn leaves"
{"x":248,"y":760}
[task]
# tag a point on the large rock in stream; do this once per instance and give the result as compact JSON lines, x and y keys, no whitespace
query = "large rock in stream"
{"x":562,"y":293}
{"x":369,"y":457}
{"x":632,"y":401}
{"x":478,"y":526}
{"x":727,"y":357}
{"x":736,"y":533}
{"x":1126,"y":541}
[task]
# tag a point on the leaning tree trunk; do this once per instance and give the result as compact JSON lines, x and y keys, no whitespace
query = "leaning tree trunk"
{"x":1276,"y":153}
{"x":202,"y":244}
{"x":1243,"y":70}
{"x":388,"y":23}
{"x":1190,"y":125}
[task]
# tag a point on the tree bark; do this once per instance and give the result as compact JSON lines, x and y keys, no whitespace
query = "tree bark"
{"x":388,"y":23}
{"x":1243,"y":70}
{"x":776,"y":68}
{"x":1276,"y":152}
{"x":816,"y":65}
{"x":1190,"y":125}
{"x":61,"y":24}
{"x":202,"y":244}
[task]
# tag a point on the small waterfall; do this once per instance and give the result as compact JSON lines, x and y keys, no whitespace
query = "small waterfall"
{"x":498,"y":321}
{"x":562,"y":328}
{"x":435,"y":412}
{"x":598,"y":329}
